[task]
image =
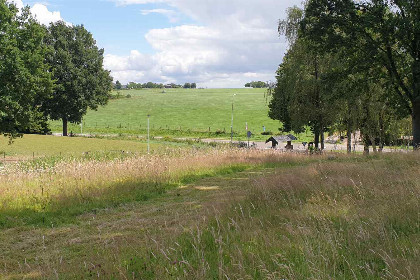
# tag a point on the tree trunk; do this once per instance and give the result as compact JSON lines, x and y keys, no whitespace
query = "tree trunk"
{"x":373,"y":140}
{"x":381,"y":145}
{"x":348,"y":139}
{"x":316,"y":138}
{"x":416,"y":124}
{"x":366,"y":148}
{"x":381,"y":133}
{"x":64,"y":127}
{"x":322,"y":140}
{"x":365,"y":145}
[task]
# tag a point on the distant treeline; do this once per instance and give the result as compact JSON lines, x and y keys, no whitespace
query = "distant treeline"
{"x":133,"y":85}
{"x":258,"y":84}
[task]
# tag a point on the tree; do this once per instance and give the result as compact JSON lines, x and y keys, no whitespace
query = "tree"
{"x":384,"y":32}
{"x":258,"y":84}
{"x":193,"y":85}
{"x":77,"y":66}
{"x":187,"y":85}
{"x":25,"y":80}
{"x":302,"y":96}
{"x":118,"y":85}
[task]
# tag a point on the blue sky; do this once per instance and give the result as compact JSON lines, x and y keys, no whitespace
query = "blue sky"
{"x":215,"y":43}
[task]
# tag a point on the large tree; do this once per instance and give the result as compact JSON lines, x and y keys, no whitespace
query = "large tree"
{"x":77,"y":66}
{"x":25,"y":81}
{"x":302,"y":96}
{"x":383,"y":32}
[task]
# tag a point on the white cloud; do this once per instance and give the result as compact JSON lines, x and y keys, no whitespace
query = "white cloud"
{"x":44,"y":16}
{"x":40,"y":12}
{"x":236,"y":42}
{"x":170,"y":14}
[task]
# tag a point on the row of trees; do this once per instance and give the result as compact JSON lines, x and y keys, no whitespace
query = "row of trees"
{"x":352,"y":65}
{"x":257,"y":84}
{"x":190,"y":85}
{"x":133,"y":85}
{"x":53,"y":72}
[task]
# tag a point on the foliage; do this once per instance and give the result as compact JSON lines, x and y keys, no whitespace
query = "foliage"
{"x":332,"y":82}
{"x":25,"y":79}
{"x":383,"y":33}
{"x":257,"y":84}
{"x":118,"y":85}
{"x":303,"y":96}
{"x":81,"y":81}
{"x":150,"y":85}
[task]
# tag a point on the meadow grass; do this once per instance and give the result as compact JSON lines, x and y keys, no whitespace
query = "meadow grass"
{"x":37,"y":146}
{"x":45,"y":145}
{"x":220,"y":214}
{"x":181,"y":112}
{"x":348,"y":220}
{"x":50,"y":194}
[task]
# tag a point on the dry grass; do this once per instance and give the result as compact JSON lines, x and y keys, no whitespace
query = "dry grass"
{"x":331,"y":220}
{"x":97,"y":242}
{"x":320,"y":218}
{"x":37,"y":193}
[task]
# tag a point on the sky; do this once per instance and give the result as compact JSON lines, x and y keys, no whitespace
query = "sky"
{"x":214,"y":43}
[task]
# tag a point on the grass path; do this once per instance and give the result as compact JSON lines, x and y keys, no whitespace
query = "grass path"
{"x":82,"y":249}
{"x":333,"y":217}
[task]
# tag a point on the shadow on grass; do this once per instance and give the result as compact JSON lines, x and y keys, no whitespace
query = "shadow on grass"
{"x":66,"y":209}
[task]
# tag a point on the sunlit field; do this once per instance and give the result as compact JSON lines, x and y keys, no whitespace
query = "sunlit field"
{"x":182,"y":112}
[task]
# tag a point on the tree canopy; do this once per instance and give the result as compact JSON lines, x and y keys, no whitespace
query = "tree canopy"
{"x":330,"y":78}
{"x":25,"y":82}
{"x":385,"y":33}
{"x":257,"y":84}
{"x":77,"y":67}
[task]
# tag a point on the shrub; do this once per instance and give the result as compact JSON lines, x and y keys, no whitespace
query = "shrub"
{"x":267,"y":133}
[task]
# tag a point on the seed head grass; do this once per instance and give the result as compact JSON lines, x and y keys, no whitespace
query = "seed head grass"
{"x":354,"y":218}
{"x":54,"y":193}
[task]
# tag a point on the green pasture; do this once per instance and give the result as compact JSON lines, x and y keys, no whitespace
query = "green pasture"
{"x":183,"y":112}
{"x":45,"y":145}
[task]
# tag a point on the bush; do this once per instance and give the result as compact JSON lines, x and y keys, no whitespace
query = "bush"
{"x":267,"y":133}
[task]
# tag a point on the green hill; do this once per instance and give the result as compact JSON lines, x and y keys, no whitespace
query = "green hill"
{"x":187,"y":112}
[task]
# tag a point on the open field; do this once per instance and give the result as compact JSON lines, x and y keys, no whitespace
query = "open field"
{"x":212,"y":215}
{"x":185,"y":112}
{"x":37,"y":146}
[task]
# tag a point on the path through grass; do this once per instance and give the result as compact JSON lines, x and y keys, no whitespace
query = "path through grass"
{"x":329,"y":217}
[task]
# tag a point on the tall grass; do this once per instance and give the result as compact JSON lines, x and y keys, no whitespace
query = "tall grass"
{"x":50,"y":194}
{"x":355,"y":218}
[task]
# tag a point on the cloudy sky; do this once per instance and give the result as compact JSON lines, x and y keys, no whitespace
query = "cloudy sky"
{"x":215,"y":43}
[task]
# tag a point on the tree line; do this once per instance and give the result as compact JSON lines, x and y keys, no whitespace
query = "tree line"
{"x":47,"y":72}
{"x":352,"y":66}
{"x":257,"y":84}
{"x":149,"y":85}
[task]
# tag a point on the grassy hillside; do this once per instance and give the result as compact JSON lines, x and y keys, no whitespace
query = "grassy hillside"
{"x":224,"y":214}
{"x":181,"y":112}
